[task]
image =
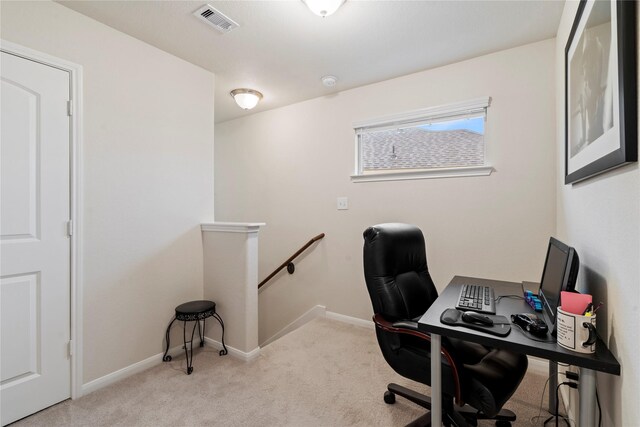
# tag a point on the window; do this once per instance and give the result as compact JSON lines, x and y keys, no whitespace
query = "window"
{"x":430,"y":143}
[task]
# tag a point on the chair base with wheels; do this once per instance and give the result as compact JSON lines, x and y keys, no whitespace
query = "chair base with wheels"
{"x":195,"y":311}
{"x":459,"y":416}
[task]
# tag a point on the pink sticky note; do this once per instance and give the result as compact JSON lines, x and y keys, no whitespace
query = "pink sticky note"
{"x":573,"y":302}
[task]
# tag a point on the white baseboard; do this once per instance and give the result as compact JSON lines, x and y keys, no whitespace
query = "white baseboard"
{"x":351,"y":320}
{"x":538,"y":366}
{"x":564,"y":396}
{"x":127,"y":371}
{"x":154,"y":360}
{"x":314,"y":312}
{"x":234,"y":352}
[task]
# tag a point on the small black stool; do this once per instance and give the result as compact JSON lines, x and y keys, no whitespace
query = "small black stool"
{"x":194,"y":311}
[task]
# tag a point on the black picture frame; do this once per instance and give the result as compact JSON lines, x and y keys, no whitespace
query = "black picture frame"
{"x":614,"y":103}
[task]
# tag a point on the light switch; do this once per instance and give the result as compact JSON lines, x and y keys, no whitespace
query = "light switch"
{"x":343,"y":203}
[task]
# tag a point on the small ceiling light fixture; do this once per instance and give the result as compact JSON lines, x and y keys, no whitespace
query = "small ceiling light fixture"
{"x":323,"y":7}
{"x":329,"y":81}
{"x":246,"y":98}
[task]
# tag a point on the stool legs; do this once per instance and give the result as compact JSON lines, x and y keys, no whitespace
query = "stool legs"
{"x":201,"y":332}
{"x":224,"y":347}
{"x":165,"y":357}
{"x":186,"y":352}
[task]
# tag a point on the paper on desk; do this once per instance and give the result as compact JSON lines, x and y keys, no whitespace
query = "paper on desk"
{"x":574,"y":303}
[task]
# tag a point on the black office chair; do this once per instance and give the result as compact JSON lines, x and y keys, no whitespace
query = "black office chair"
{"x":401,"y":291}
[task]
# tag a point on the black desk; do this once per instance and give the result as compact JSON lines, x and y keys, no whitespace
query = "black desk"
{"x":602,"y":360}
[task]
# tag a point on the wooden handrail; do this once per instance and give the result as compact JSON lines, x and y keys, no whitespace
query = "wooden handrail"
{"x":291,"y":258}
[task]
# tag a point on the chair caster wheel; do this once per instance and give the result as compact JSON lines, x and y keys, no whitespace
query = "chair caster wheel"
{"x":389,"y":397}
{"x":502,"y":423}
{"x":166,"y":359}
{"x":201,"y":343}
{"x":189,"y":370}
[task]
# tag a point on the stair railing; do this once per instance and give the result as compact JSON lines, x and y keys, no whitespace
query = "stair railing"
{"x":289,"y":262}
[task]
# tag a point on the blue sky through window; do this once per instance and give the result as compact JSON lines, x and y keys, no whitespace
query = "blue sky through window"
{"x":475,"y":124}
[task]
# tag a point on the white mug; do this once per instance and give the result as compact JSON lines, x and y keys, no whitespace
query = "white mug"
{"x":576,"y":332}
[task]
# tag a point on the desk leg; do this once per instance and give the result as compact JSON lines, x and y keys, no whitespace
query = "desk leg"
{"x":587,"y":391}
{"x":436,"y":381}
{"x":553,"y":383}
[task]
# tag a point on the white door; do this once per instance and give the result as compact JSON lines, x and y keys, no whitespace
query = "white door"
{"x":35,"y":249}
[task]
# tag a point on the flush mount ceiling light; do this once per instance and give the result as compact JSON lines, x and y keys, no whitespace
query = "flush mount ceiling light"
{"x":329,"y":81}
{"x":323,"y":7}
{"x":246,"y":98}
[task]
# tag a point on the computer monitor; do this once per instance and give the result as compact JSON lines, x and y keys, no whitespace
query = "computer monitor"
{"x":560,"y":273}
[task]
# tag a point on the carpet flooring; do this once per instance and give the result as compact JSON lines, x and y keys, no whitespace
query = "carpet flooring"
{"x":327,"y":373}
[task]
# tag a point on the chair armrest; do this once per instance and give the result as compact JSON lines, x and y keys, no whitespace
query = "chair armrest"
{"x":406,"y":324}
{"x":409,"y":327}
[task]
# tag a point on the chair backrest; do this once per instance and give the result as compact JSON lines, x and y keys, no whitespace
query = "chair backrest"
{"x":396,"y":272}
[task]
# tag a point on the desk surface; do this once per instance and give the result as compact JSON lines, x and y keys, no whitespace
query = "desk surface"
{"x":602,"y":360}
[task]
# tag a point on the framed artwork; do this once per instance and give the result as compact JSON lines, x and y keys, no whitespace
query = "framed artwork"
{"x":601,"y":118}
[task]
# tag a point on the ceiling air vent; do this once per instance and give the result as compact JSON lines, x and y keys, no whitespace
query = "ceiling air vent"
{"x":215,"y":18}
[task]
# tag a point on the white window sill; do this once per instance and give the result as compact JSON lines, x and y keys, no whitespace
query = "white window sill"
{"x":425,"y":174}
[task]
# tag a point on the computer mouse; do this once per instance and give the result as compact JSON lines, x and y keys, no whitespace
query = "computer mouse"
{"x":473,"y":317}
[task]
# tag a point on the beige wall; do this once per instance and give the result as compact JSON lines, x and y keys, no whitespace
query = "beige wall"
{"x":148,"y":178}
{"x":600,"y":217}
{"x":287,"y":166}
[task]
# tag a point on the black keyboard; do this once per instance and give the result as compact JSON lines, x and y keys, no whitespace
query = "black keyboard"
{"x":477,"y":298}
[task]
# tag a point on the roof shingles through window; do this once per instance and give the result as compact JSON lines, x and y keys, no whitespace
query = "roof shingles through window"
{"x":418,"y":148}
